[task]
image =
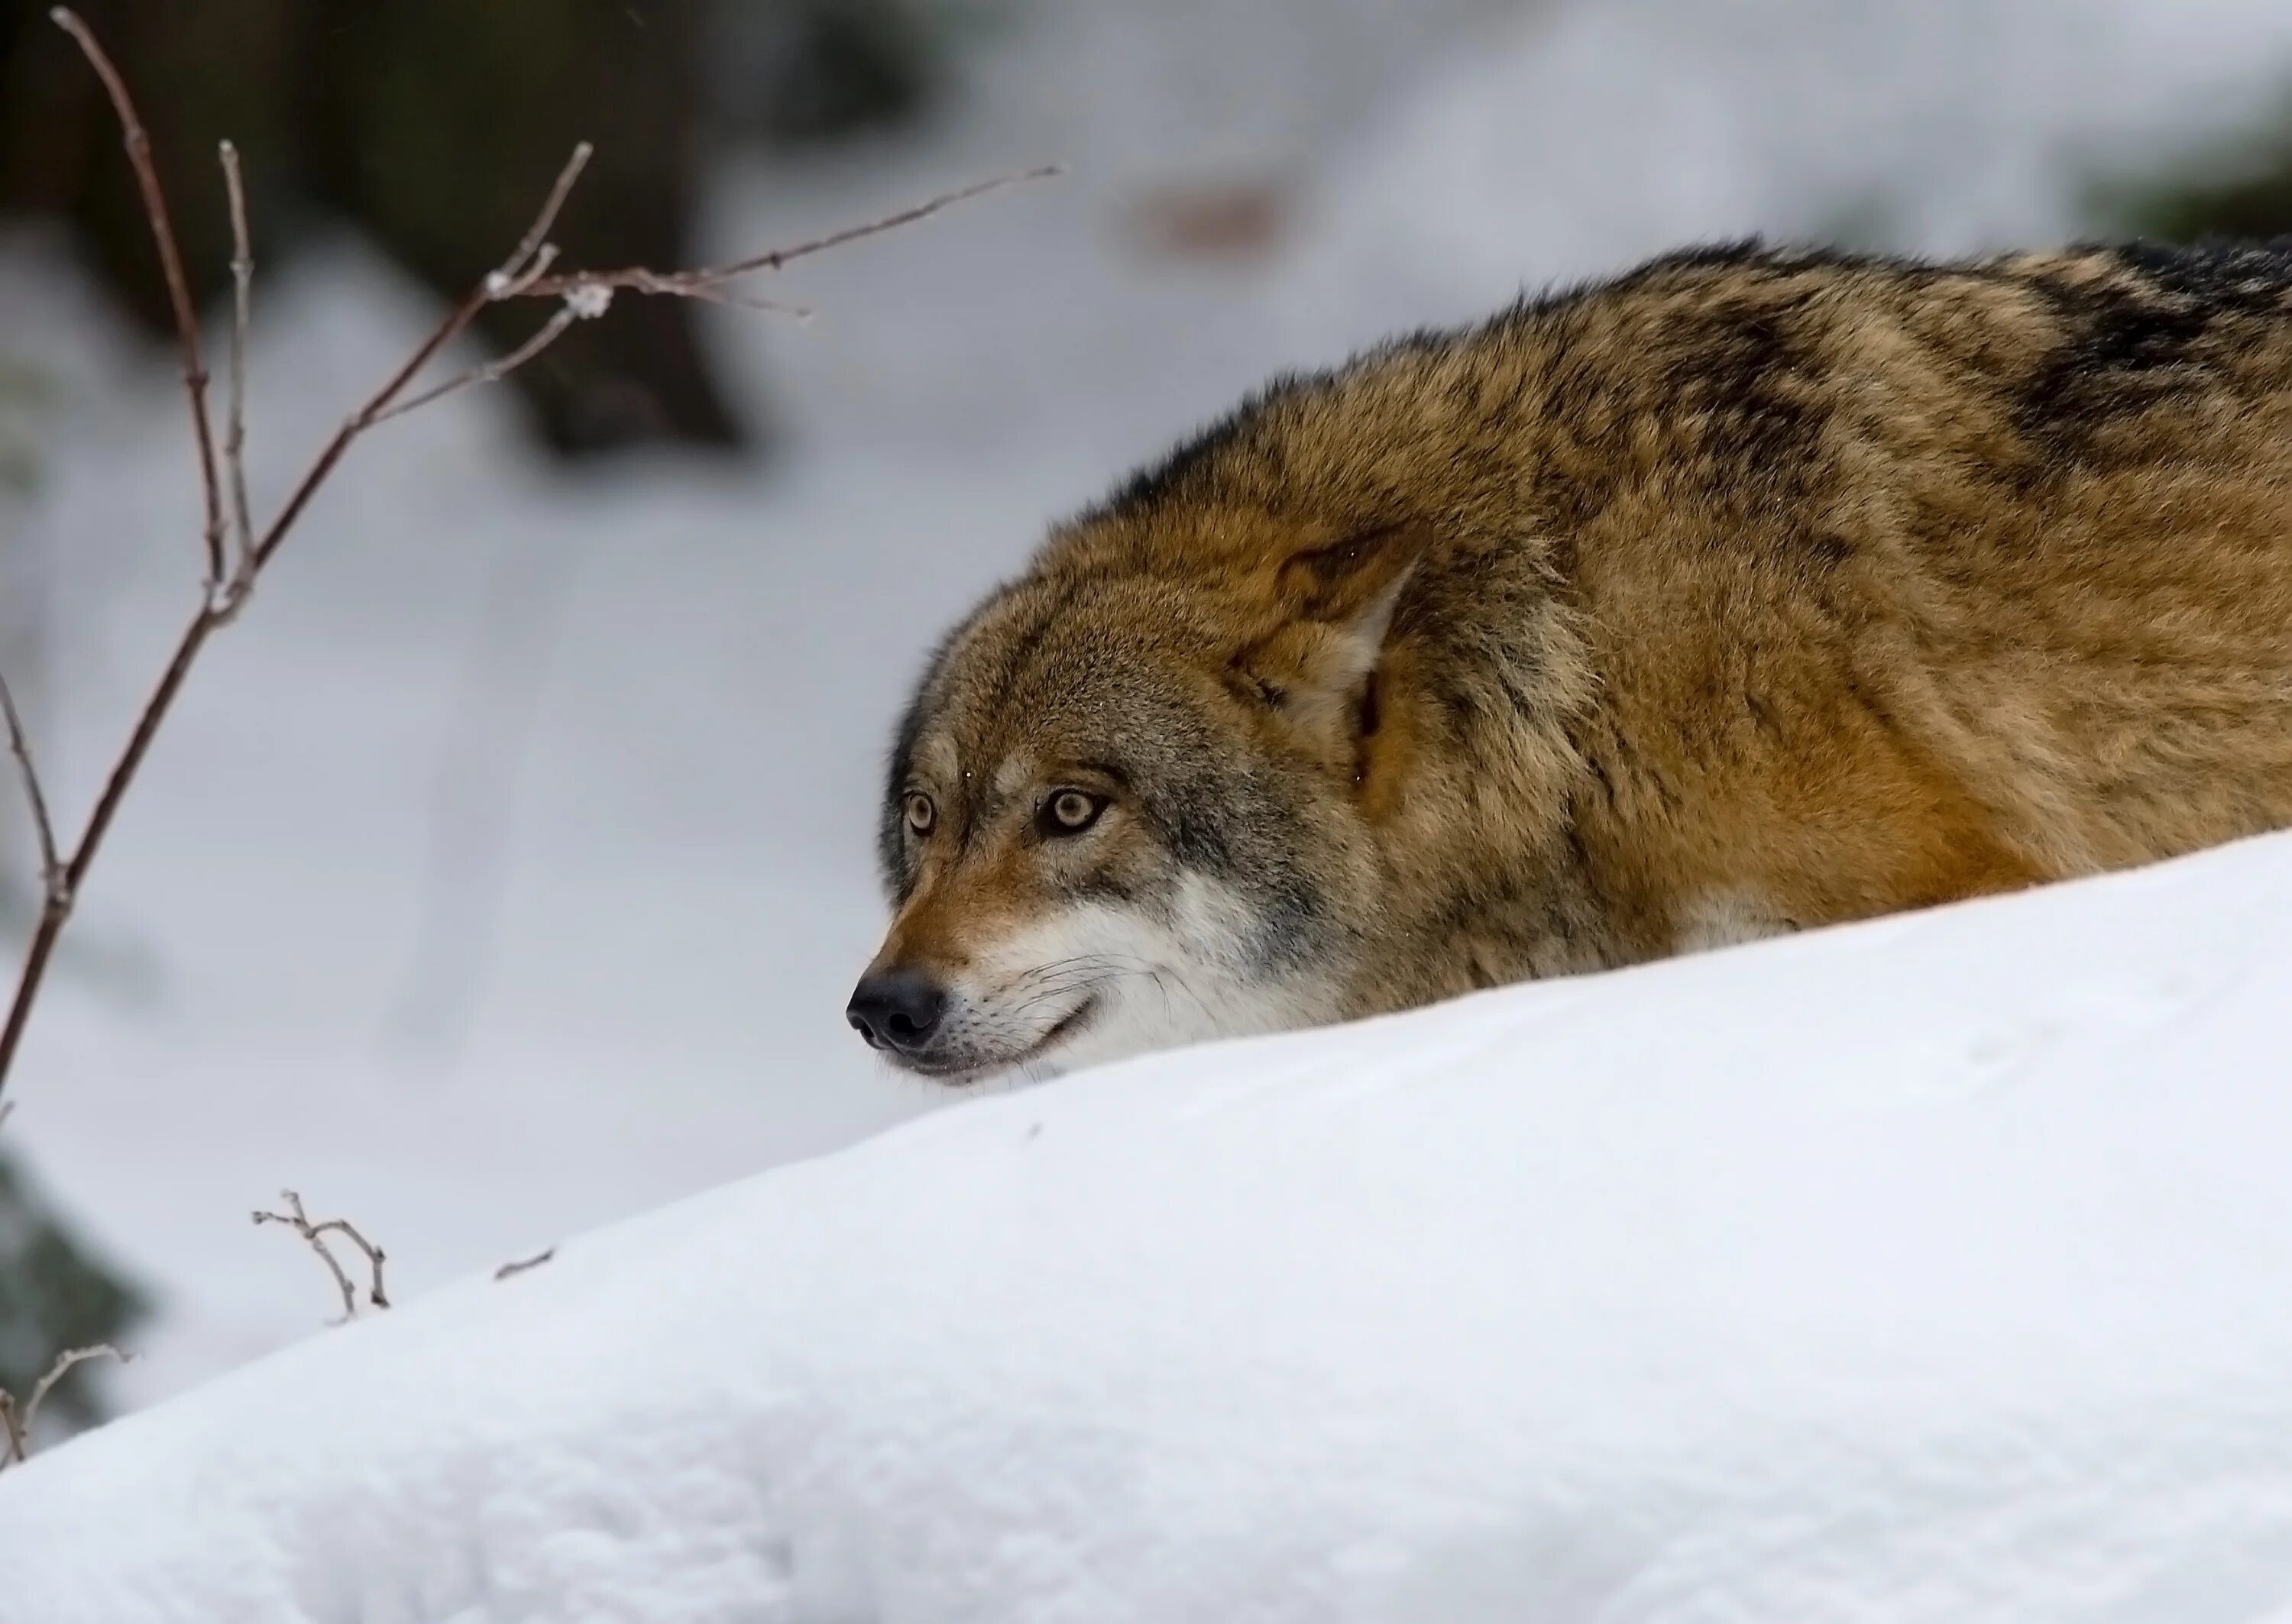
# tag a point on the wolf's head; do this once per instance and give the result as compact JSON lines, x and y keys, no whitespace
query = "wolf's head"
{"x":1125,"y":808}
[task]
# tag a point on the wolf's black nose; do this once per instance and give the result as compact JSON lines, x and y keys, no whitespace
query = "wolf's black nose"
{"x":896,"y":1009}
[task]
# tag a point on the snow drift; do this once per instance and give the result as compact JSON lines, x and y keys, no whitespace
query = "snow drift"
{"x":1932,"y":1270}
{"x":283,"y":973}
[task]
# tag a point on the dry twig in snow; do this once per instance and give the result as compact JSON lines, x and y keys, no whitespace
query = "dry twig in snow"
{"x":527,"y":274}
{"x":297,"y":1220}
{"x":16,"y":1426}
{"x":511,"y":1270}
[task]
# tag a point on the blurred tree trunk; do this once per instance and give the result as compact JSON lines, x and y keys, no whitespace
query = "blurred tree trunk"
{"x":798,"y":72}
{"x":54,"y":1295}
{"x":436,"y":124}
{"x":440,"y":124}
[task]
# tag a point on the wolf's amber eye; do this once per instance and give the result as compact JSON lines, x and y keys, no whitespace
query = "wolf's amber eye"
{"x":921,"y":812}
{"x":1071,"y":811}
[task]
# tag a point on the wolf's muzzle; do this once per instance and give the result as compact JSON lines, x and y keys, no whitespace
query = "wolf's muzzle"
{"x":897,"y":1009}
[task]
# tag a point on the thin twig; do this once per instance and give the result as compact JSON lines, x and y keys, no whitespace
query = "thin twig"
{"x":241,"y":578}
{"x":171,"y":264}
{"x":588,"y":293}
{"x":16,"y":1426}
{"x":295,"y":1218}
{"x":63,"y":1366}
{"x":511,"y":1270}
{"x":494,"y":370}
{"x":544,"y":257}
{"x":51,"y":869}
{"x":692,"y":284}
{"x":533,"y":249}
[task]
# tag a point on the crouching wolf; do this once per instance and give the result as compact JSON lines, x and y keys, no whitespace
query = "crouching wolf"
{"x":1747,"y":593}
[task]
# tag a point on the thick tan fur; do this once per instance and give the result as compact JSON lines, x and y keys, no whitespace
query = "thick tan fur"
{"x":1749,"y":592}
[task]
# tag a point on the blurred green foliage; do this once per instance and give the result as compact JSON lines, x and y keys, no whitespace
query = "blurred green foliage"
{"x":2238,"y":188}
{"x":54,"y":1295}
{"x":24,"y":391}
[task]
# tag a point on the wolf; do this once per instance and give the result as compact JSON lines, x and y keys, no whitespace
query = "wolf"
{"x":1753,"y":591}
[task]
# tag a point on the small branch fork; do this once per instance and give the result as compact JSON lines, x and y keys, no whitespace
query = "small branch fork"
{"x":16,"y":1425}
{"x":237,"y":550}
{"x":295,"y":1218}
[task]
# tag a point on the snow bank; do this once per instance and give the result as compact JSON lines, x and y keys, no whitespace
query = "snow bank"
{"x":1932,"y":1269}
{"x":690,"y":671}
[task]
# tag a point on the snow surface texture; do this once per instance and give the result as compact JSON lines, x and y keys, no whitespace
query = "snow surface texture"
{"x":622,"y":979}
{"x":1932,"y":1269}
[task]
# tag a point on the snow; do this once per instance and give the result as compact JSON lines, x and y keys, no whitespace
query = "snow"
{"x":1929,"y":1269}
{"x":645,"y":705}
{"x":1606,"y":131}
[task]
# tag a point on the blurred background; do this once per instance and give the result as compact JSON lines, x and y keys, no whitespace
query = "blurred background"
{"x":505,"y":868}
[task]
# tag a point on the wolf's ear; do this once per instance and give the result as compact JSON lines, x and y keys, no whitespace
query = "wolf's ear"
{"x":1360,"y":576}
{"x":1335,"y":606}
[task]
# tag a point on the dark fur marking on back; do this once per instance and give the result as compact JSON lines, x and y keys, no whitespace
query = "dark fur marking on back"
{"x":2244,"y":278}
{"x":1739,"y":371}
{"x":2150,"y":341}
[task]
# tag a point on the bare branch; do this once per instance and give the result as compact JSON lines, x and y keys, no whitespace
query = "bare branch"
{"x":63,"y":1366}
{"x":241,"y":578}
{"x":52,"y":868}
{"x":61,"y":895}
{"x":510,"y":1271}
{"x":295,"y":1218}
{"x":534,"y":252}
{"x":748,"y":301}
{"x":526,"y":273}
{"x":494,"y":370}
{"x":171,"y":264}
{"x":695,"y":283}
{"x":16,"y":1426}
